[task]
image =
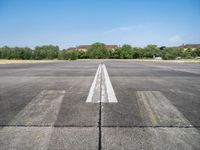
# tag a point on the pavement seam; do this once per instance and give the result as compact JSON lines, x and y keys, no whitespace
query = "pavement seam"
{"x":100,"y":105}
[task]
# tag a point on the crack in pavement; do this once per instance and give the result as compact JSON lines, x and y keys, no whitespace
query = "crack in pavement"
{"x":100,"y":105}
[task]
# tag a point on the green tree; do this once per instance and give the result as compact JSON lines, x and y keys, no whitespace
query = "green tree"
{"x":82,"y":54}
{"x":98,"y":51}
{"x":46,"y":52}
{"x":73,"y":55}
{"x":169,"y":53}
{"x":151,"y":51}
{"x":126,"y":52}
{"x":196,"y":52}
{"x":116,"y":53}
{"x":137,"y":53}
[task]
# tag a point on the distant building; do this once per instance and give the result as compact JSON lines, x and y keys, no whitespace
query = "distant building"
{"x":71,"y":48}
{"x":83,"y":47}
{"x":192,"y":46}
{"x":86,"y":47}
{"x":112,"y":46}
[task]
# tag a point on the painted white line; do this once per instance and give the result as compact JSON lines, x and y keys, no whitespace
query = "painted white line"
{"x":101,"y":88}
{"x":104,"y":94}
{"x":156,"y":109}
{"x":109,"y":88}
{"x":42,"y":110}
{"x":92,"y":88}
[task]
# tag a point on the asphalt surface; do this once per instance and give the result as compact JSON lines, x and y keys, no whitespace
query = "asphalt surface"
{"x":43,"y":106}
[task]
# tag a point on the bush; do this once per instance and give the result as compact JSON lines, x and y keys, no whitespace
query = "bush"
{"x":73,"y":55}
{"x":169,"y":53}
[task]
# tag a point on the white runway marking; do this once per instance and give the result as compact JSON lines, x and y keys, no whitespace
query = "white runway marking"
{"x":42,"y":110}
{"x":101,"y":88}
{"x":95,"y":85}
{"x":111,"y":94}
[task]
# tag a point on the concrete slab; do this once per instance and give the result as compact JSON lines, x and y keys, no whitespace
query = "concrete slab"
{"x":150,"y":138}
{"x":74,"y":138}
{"x":43,"y":138}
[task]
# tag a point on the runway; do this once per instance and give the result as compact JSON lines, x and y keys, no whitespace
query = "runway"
{"x":112,"y":104}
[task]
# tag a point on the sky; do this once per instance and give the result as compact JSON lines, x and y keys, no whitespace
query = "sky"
{"x":69,"y":23}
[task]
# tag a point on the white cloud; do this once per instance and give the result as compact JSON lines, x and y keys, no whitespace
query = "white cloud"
{"x":176,"y":39}
{"x":121,"y":29}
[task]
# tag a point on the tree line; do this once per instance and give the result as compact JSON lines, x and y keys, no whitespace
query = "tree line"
{"x":97,"y":51}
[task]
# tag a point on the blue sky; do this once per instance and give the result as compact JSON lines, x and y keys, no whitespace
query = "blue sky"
{"x":72,"y":22}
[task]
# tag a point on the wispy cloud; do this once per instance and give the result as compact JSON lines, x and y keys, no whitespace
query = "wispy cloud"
{"x":122,"y":29}
{"x":175,"y":39}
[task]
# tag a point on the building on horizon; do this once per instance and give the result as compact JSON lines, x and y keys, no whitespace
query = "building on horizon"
{"x":86,"y":47}
{"x":191,"y":46}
